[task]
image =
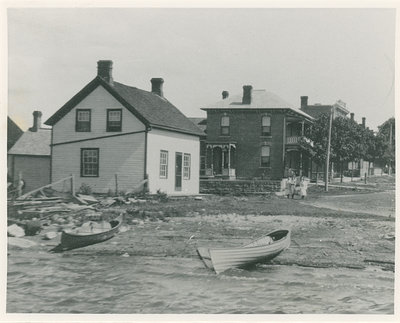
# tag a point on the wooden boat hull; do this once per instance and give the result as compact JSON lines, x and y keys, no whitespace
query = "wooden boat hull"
{"x":221,"y":259}
{"x":71,"y":241}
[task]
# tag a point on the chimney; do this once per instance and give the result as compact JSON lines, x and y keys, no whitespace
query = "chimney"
{"x":104,"y":70}
{"x":225,"y":95}
{"x":304,"y":101}
{"x":352,"y":116}
{"x":37,"y":121}
{"x":363,"y":122}
{"x":157,"y":86}
{"x":247,"y":94}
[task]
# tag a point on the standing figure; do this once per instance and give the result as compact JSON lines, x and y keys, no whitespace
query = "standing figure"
{"x":292,"y":186}
{"x":303,"y":187}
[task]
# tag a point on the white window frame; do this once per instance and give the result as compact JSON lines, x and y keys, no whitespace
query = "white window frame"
{"x":186,"y":166}
{"x":163,"y":164}
{"x":90,"y":161}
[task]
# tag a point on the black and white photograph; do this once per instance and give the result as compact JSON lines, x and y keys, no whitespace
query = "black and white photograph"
{"x":217,"y":161}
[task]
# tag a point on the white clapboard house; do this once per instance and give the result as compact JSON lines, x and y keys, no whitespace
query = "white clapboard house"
{"x":113,"y":136}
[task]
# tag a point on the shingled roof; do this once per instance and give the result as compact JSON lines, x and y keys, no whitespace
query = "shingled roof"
{"x":153,"y":110}
{"x":33,"y":143}
{"x":260,"y":99}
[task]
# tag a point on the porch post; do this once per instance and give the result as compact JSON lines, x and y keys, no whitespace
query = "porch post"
{"x":302,"y":128}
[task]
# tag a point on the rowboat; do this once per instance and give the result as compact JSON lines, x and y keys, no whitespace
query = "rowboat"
{"x":258,"y":251}
{"x":75,"y":239}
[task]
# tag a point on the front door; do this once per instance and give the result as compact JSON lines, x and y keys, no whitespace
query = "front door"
{"x":178,"y":171}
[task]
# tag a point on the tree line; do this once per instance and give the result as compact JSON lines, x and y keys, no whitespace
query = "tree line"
{"x":350,"y":142}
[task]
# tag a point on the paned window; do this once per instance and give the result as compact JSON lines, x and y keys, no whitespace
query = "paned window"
{"x":266,"y":126}
{"x":225,"y":126}
{"x":186,"y":166}
{"x":114,"y":120}
{"x":82,"y":120}
{"x":163,"y":164}
{"x":89,"y":162}
{"x":265,"y":156}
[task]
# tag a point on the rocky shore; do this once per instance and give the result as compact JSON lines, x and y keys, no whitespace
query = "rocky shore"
{"x":321,"y":237}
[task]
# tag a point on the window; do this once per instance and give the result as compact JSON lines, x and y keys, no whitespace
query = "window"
{"x":114,"y":119}
{"x":186,"y":166}
{"x":163,"y":164}
{"x":265,"y":156}
{"x":82,"y":120}
{"x":89,"y":162}
{"x":225,"y":126}
{"x":266,"y":126}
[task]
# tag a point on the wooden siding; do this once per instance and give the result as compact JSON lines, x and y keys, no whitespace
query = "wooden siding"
{"x":35,"y":170}
{"x":172,"y":142}
{"x":123,"y":155}
{"x":98,"y":101}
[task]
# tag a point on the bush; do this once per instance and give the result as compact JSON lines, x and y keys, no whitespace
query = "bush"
{"x":161,"y":196}
{"x":85,"y":189}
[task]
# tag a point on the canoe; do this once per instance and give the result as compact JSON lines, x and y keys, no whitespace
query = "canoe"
{"x":258,"y":251}
{"x":74,"y":239}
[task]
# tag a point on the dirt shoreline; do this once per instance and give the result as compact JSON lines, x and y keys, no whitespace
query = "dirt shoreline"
{"x":343,"y":228}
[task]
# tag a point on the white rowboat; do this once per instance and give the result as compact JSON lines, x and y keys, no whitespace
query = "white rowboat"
{"x":258,"y":251}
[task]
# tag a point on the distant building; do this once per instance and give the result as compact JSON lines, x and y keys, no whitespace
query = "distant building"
{"x":30,"y":156}
{"x":317,"y":109}
{"x":255,"y":135}
{"x":202,"y":124}
{"x":113,"y":136}
{"x":13,"y":133}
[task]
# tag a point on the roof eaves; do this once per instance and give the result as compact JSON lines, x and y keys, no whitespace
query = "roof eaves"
{"x":67,"y":107}
{"x":195,"y":133}
{"x":124,"y":102}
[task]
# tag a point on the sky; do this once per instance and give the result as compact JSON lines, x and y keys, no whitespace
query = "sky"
{"x":325,"y":54}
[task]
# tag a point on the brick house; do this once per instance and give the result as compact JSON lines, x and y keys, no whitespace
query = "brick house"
{"x":29,"y":157}
{"x":255,"y":135}
{"x":315,"y":110}
{"x":112,"y":136}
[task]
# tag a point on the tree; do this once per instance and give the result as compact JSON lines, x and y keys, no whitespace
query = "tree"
{"x":387,"y":133}
{"x":315,"y":141}
{"x":346,"y":138}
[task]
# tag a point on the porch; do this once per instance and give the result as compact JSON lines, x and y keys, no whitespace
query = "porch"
{"x":220,"y":160}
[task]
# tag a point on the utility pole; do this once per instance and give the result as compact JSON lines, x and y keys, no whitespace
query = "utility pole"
{"x":390,"y":146}
{"x":328,"y":150}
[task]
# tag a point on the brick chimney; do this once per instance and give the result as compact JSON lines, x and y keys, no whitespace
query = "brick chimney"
{"x":363,"y":122}
{"x":304,"y":102}
{"x":225,"y":95}
{"x":37,"y":121}
{"x":157,"y":86}
{"x":104,"y":70}
{"x":352,"y":116}
{"x":247,"y":94}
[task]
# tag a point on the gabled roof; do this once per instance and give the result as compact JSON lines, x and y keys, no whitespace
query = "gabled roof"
{"x":150,"y":108}
{"x":13,"y":133}
{"x":260,"y":99}
{"x":33,"y":143}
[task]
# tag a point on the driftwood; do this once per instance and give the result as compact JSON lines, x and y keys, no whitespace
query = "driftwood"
{"x":40,"y":189}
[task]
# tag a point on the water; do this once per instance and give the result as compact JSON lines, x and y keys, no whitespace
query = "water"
{"x":93,"y":282}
